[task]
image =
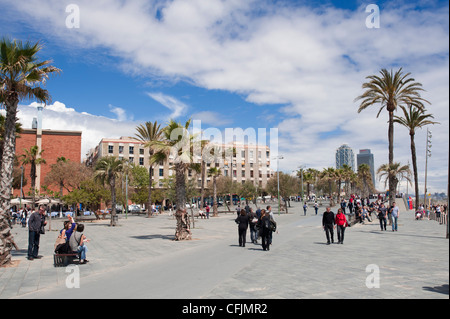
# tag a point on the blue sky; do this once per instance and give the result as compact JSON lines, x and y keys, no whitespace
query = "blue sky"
{"x":292,"y":65}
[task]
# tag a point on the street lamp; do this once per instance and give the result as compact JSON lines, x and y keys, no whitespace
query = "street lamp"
{"x":427,"y":155}
{"x":278,"y":181}
{"x":21,"y":184}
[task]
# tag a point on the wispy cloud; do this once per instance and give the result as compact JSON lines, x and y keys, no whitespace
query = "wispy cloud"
{"x":177,"y":107}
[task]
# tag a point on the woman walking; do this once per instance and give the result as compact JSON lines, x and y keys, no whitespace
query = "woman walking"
{"x":341,"y":224}
{"x":242,"y":220}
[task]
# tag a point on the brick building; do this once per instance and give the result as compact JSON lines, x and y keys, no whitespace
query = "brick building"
{"x":54,"y":144}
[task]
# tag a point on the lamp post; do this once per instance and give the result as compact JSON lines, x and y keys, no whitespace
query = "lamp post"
{"x":278,"y":182}
{"x":427,"y":155}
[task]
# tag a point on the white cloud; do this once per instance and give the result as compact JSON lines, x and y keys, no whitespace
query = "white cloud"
{"x":177,"y":107}
{"x":312,"y":61}
{"x":58,"y":117}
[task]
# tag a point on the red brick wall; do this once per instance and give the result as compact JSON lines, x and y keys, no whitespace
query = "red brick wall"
{"x":55,"y":144}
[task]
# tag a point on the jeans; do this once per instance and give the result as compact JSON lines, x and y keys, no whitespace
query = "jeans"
{"x":340,"y":233}
{"x":394,"y":223}
{"x":329,"y":232}
{"x":253,"y":234}
{"x":265,"y":240}
{"x":82,"y":250}
{"x":383,"y":223}
{"x":33,"y":243}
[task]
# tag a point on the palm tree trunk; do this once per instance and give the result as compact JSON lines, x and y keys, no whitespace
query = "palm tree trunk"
{"x":183,"y":231}
{"x":113,"y":200}
{"x":215,"y":212}
{"x":414,"y":162}
{"x":202,"y":192}
{"x":391,"y":157}
{"x":6,"y":178}
{"x":149,"y":199}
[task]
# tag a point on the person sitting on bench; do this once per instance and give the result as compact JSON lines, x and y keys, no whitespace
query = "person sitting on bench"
{"x":77,"y":243}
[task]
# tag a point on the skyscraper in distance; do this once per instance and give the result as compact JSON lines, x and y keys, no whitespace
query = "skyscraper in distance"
{"x":366,"y":157}
{"x":345,"y":155}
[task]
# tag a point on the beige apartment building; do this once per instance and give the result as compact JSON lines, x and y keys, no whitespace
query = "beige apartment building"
{"x":239,"y":161}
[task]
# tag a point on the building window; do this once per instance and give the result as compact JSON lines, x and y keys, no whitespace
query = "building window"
{"x":131,"y":149}
{"x":131,"y":159}
{"x":234,"y":173}
{"x":243,"y":173}
{"x":161,"y":172}
{"x":251,"y":173}
{"x":141,"y":151}
{"x":141,"y":161}
{"x":120,"y":149}
{"x":110,"y":149}
{"x":243,"y":154}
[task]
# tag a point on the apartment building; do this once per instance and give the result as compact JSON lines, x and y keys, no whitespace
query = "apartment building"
{"x":239,"y":161}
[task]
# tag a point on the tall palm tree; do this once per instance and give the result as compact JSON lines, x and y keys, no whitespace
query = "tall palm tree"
{"x":394,"y":171}
{"x":33,"y":157}
{"x":177,"y":141}
{"x":414,"y":118}
{"x":214,"y":172}
{"x":391,"y":90}
{"x":21,"y":74}
{"x":149,"y":133}
{"x":329,"y":175}
{"x":107,"y":170}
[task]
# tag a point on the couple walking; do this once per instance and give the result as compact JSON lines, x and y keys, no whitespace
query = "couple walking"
{"x":330,"y":222}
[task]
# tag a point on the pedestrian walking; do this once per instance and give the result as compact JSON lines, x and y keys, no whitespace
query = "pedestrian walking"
{"x":264,"y":230}
{"x":382,"y":216}
{"x":395,"y":213}
{"x":328,"y":224}
{"x":253,"y":219}
{"x":316,"y":207}
{"x":305,"y":207}
{"x":341,"y":224}
{"x":243,"y":221}
{"x":36,"y":225}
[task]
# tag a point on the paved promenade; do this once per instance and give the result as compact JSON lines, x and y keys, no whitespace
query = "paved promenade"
{"x":139,"y":259}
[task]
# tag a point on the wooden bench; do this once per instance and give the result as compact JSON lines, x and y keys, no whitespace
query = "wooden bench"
{"x":62,"y":260}
{"x":87,"y":218}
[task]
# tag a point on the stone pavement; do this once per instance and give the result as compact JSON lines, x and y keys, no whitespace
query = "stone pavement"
{"x":139,"y":259}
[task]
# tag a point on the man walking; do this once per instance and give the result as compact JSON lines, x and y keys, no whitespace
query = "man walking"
{"x":36,"y":221}
{"x":328,"y":223}
{"x":395,"y":213}
{"x":382,"y":216}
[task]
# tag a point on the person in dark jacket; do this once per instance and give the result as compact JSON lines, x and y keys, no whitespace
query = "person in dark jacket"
{"x":37,"y":219}
{"x":242,"y":220}
{"x":328,"y":223}
{"x":264,"y":230}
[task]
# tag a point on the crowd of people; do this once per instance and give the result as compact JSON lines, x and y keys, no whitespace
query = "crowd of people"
{"x":261,"y":224}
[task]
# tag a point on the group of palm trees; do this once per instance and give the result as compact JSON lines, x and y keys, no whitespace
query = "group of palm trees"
{"x":22,"y":76}
{"x":392,"y":91}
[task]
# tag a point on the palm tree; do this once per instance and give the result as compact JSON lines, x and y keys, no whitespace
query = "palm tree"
{"x":395,"y":172}
{"x":177,"y":142}
{"x":149,"y":133}
{"x":33,"y":157}
{"x":329,"y":175}
{"x":107,"y":170}
{"x":21,"y":73}
{"x":365,"y":176}
{"x":391,"y":90}
{"x":214,"y":172}
{"x":414,"y":118}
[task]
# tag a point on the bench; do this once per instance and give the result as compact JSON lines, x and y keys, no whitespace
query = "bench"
{"x":87,"y":218}
{"x":62,"y":260}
